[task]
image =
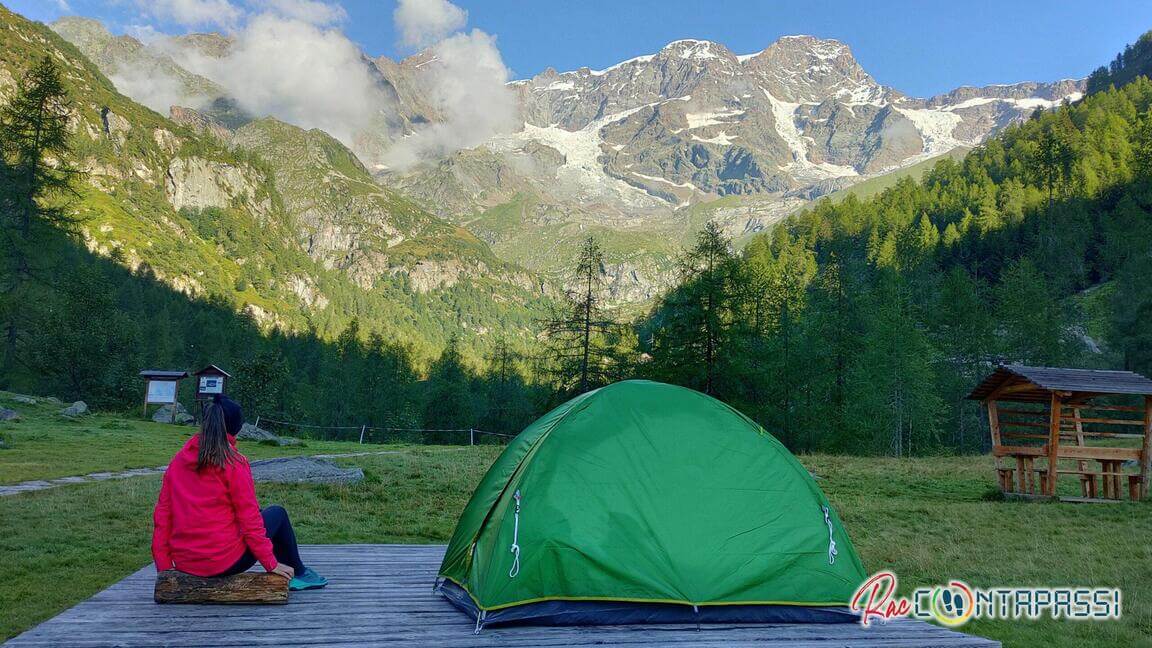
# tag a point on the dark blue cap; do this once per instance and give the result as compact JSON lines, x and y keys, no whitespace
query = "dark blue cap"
{"x":233,"y":415}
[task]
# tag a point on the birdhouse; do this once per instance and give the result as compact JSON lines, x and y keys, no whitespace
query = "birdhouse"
{"x":210,"y":381}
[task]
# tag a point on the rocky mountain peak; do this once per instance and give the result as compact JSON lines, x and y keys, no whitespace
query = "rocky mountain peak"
{"x":806,"y":69}
{"x":690,"y":49}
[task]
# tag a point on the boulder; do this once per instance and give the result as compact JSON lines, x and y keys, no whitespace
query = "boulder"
{"x":79,"y":408}
{"x":24,"y":400}
{"x":252,"y":433}
{"x":9,"y":415}
{"x":288,"y":441}
{"x":304,"y":470}
{"x":53,"y":400}
{"x":164,"y":415}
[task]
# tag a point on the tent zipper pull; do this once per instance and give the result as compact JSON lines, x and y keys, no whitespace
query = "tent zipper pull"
{"x":831,"y":542}
{"x":515,"y":549}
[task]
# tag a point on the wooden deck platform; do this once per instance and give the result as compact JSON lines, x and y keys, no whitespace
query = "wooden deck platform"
{"x":381,"y":595}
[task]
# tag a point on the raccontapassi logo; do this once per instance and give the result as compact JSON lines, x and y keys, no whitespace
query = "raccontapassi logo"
{"x":955,"y":603}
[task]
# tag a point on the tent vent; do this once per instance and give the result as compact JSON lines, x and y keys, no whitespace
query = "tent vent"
{"x":831,"y":542}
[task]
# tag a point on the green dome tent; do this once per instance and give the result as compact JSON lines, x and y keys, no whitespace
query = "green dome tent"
{"x":646,"y":502}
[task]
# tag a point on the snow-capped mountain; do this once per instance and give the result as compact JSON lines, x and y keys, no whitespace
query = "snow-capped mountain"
{"x":639,"y":154}
{"x":695,"y":121}
{"x":647,"y":149}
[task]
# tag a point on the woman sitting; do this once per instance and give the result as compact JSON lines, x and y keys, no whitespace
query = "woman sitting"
{"x":207,"y":521}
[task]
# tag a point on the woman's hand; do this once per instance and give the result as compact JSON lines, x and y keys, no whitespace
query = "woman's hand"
{"x":284,"y":570}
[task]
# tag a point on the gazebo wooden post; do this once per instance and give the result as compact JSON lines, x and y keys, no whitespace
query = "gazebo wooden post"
{"x":1057,"y":410}
{"x":994,"y":427}
{"x":1146,"y":448}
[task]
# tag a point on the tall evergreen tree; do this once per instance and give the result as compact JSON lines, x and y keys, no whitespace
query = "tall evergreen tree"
{"x":697,"y":315}
{"x":34,"y":150}
{"x":575,"y":337}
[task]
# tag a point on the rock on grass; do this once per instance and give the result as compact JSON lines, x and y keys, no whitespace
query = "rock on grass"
{"x":304,"y":470}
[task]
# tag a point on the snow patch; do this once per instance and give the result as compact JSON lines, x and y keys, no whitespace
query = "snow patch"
{"x":801,"y":167}
{"x":936,"y":127}
{"x":639,"y":59}
{"x":700,"y":120}
{"x":682,"y":185}
{"x":582,"y":168}
{"x":721,"y":138}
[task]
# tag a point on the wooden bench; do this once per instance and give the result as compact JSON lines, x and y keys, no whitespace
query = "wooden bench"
{"x":174,"y":586}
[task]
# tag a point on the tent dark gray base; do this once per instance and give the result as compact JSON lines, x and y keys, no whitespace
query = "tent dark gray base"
{"x":580,"y":613}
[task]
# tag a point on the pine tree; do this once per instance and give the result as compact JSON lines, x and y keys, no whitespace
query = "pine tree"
{"x":451,"y":398}
{"x":893,"y":402}
{"x":34,"y":148}
{"x":688,"y":345}
{"x":574,"y":336}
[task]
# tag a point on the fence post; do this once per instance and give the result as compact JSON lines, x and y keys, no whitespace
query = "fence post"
{"x":362,"y":434}
{"x":471,"y":437}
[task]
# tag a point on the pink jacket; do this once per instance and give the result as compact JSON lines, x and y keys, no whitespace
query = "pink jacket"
{"x":204,"y":520}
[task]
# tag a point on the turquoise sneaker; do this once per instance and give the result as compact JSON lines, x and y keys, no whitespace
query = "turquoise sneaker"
{"x":308,"y":580}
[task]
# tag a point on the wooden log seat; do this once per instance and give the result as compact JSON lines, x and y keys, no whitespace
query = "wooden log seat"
{"x":174,"y":586}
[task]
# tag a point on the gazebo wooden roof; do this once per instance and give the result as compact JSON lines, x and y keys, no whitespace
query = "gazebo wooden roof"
{"x":1035,"y":384}
{"x":1059,"y":431}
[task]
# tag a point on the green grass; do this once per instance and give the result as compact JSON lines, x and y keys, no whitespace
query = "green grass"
{"x":928,"y":519}
{"x":45,"y":445}
{"x":875,"y":186}
{"x":61,"y":546}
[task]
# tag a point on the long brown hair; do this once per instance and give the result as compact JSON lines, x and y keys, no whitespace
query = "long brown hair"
{"x":215,"y":449}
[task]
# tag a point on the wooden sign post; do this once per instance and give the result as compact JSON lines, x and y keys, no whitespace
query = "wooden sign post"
{"x":210,"y":381}
{"x":163,"y":388}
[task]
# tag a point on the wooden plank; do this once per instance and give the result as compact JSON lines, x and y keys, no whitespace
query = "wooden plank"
{"x":1146,"y":449}
{"x":1070,"y":452}
{"x":1055,"y":411}
{"x":994,"y":428}
{"x":1110,"y":408}
{"x":381,"y":595}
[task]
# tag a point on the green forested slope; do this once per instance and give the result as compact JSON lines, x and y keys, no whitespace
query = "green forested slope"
{"x":859,"y":325}
{"x":226,"y":224}
{"x":185,"y":251}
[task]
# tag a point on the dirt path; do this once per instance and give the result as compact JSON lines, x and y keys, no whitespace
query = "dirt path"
{"x":45,"y":484}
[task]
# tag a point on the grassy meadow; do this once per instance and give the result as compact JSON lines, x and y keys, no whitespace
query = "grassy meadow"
{"x":927,"y":519}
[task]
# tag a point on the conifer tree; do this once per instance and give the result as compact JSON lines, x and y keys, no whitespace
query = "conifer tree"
{"x":34,"y":149}
{"x":689,"y":342}
{"x":574,"y":337}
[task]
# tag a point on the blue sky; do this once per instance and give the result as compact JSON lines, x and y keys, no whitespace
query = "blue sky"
{"x":921,"y":47}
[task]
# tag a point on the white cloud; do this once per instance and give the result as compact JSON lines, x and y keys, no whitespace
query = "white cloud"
{"x":289,"y":60}
{"x":424,"y":22}
{"x":193,"y":13}
{"x":62,"y":5}
{"x":302,"y":73}
{"x":467,"y":82}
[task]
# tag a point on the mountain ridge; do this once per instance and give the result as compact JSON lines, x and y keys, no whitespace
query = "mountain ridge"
{"x":642,"y":148}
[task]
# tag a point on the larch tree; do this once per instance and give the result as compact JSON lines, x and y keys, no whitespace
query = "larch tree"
{"x":697,"y":316}
{"x":575,"y":335}
{"x":34,"y":147}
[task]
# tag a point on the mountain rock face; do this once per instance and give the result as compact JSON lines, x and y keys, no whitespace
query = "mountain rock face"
{"x":269,"y":219}
{"x":694,"y":121}
{"x":649,"y":146}
{"x":639,"y":155}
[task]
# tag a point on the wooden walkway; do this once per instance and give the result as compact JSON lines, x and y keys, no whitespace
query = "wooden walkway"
{"x":380,"y":595}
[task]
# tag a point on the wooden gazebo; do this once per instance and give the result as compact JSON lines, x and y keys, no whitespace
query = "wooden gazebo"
{"x":1088,"y":423}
